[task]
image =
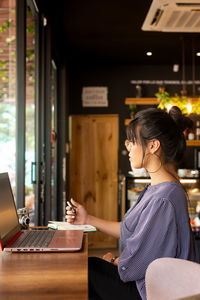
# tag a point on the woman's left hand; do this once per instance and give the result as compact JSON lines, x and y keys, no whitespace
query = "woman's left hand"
{"x":108,"y":257}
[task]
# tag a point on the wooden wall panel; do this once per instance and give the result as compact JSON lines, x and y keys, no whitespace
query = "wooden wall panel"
{"x":94,"y":169}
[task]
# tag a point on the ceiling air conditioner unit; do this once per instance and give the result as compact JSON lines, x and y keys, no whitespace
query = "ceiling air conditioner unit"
{"x":173,"y":16}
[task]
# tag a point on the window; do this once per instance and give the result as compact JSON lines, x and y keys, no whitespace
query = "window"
{"x":30,"y":114}
{"x":7,"y":90}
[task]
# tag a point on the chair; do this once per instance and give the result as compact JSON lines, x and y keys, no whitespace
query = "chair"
{"x":173,"y":278}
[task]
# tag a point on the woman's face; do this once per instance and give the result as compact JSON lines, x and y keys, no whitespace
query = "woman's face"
{"x":135,"y":154}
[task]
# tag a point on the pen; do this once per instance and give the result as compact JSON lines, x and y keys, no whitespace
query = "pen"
{"x":71,"y":206}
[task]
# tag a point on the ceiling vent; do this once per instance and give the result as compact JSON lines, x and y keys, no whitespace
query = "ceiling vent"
{"x":173,"y":16}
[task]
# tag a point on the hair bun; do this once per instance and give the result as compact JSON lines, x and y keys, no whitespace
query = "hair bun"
{"x":182,"y":122}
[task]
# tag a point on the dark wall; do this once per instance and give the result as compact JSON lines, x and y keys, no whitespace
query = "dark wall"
{"x":118,"y":80}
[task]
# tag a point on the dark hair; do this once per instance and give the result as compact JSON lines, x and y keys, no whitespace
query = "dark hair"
{"x":168,"y":128}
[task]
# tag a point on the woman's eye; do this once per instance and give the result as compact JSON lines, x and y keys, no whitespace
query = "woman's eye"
{"x":127,"y":145}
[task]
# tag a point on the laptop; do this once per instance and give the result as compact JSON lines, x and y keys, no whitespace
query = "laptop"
{"x":13,"y":239}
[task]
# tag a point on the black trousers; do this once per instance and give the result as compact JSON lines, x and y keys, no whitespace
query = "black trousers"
{"x":105,"y":283}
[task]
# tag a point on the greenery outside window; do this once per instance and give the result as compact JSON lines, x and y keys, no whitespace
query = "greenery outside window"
{"x":7,"y":90}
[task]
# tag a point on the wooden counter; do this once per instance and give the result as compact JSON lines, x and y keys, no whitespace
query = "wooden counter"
{"x":44,"y":275}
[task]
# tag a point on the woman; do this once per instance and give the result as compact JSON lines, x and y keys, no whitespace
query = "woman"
{"x":158,"y":224}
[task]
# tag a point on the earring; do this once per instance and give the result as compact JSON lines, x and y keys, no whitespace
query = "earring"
{"x":148,"y":160}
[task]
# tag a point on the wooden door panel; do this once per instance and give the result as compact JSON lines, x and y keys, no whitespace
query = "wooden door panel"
{"x":81,"y":160}
{"x":94,"y":169}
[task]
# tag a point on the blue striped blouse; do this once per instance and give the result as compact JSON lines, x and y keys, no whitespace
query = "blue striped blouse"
{"x":156,"y":226}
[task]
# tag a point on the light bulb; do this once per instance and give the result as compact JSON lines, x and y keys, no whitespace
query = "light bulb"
{"x":189,"y":108}
{"x":168,"y":107}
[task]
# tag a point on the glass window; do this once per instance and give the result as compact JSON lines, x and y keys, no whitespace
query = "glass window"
{"x":7,"y":89}
{"x":30,"y":114}
{"x":53,"y":140}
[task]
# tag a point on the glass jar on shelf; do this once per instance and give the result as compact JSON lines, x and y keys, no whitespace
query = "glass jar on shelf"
{"x":191,"y":135}
{"x":197,"y":130}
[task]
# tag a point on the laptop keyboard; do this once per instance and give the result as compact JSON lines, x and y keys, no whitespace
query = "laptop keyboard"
{"x":39,"y":239}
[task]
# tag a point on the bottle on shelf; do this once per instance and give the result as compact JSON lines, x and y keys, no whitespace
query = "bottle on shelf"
{"x":197,"y":130}
{"x":191,"y":135}
{"x":186,"y":134}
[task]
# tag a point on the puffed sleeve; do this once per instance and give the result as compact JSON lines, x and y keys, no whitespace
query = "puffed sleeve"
{"x":154,"y":236}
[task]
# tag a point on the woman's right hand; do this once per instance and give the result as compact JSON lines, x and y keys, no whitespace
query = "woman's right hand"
{"x":81,"y":215}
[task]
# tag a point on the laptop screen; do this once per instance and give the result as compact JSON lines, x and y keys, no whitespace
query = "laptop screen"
{"x":8,"y":214}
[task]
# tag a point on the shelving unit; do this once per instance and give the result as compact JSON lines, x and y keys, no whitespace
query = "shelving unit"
{"x":149,"y":101}
{"x":195,"y":143}
{"x":141,"y":101}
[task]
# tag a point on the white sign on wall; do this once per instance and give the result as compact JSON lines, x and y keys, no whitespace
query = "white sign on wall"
{"x":161,"y":82}
{"x":95,"y":96}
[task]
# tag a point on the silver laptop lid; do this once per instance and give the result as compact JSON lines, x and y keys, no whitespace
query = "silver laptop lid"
{"x":9,"y":223}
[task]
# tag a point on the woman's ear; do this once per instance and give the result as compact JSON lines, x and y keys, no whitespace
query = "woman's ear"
{"x":153,"y":146}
